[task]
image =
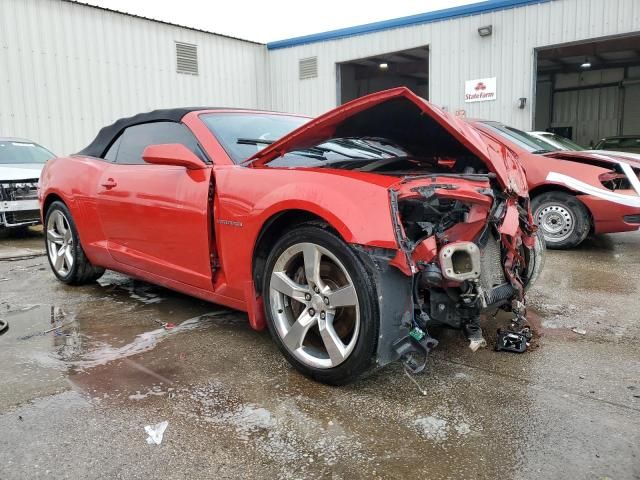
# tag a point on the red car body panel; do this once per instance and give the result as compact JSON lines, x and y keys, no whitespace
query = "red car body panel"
{"x":578,"y":172}
{"x":195,"y":231}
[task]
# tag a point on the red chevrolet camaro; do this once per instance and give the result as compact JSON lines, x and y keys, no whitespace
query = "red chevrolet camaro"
{"x":348,"y":237}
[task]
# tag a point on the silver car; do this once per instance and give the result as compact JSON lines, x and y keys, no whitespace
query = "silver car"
{"x":21,"y":162}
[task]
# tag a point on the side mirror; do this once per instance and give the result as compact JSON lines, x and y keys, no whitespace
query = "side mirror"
{"x":172,"y":154}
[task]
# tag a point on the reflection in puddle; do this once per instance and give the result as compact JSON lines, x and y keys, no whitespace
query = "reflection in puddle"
{"x":155,"y":391}
{"x":71,"y":345}
{"x":101,"y":353}
{"x":137,"y":290}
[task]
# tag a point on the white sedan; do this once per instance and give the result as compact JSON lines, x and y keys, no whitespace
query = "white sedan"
{"x":21,"y":162}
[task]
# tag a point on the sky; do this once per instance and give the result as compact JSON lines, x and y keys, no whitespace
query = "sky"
{"x":275,"y":20}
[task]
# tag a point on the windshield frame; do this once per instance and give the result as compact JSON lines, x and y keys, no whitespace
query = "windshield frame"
{"x":341,"y":151}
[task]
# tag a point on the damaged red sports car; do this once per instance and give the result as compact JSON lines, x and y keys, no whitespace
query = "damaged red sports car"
{"x":348,"y":237}
{"x":574,"y":193}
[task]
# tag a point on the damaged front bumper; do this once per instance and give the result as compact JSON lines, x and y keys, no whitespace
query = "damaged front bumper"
{"x":465,"y":247}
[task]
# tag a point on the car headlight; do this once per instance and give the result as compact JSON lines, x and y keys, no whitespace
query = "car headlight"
{"x":614,"y":181}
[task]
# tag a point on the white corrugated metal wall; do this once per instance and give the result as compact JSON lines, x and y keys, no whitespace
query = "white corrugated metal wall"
{"x":458,"y":53}
{"x":66,"y":70}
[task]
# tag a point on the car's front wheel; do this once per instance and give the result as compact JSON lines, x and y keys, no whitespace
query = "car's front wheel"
{"x":320,"y":305}
{"x":562,"y":219}
{"x":66,"y":256}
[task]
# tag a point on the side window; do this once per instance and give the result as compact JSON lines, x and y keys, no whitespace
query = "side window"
{"x":136,"y":138}
{"x":113,"y":150}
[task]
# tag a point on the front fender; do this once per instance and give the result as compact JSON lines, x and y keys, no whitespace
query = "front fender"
{"x":343,"y":212}
{"x":247,"y":198}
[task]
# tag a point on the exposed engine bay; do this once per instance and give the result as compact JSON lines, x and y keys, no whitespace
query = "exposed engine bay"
{"x":454,"y":279}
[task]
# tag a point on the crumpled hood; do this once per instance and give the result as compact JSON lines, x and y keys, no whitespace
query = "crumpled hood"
{"x":20,"y":171}
{"x":497,"y":158}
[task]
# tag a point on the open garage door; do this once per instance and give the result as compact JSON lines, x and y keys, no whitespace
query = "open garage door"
{"x":407,"y":68}
{"x":589,"y":90}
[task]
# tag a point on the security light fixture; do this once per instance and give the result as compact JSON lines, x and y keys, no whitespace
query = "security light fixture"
{"x":586,"y":63}
{"x":522,"y":102}
{"x":485,"y":31}
{"x":384,"y":66}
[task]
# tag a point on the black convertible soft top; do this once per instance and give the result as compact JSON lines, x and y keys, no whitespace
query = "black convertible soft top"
{"x":107,"y":135}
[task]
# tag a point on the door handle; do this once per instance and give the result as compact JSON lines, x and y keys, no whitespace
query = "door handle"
{"x":109,"y":183}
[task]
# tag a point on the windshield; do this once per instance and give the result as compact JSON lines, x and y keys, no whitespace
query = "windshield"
{"x":561,"y":142}
{"x":22,"y":152}
{"x":339,"y":151}
{"x":381,"y":155}
{"x":243,"y":134}
{"x":520,"y":138}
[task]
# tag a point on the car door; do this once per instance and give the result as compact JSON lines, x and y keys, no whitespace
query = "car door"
{"x":156,"y":218}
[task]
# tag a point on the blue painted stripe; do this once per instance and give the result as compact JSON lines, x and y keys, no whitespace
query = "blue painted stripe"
{"x":439,"y":15}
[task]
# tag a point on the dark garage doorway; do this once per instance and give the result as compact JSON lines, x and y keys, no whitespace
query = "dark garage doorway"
{"x":589,"y":90}
{"x":408,"y":68}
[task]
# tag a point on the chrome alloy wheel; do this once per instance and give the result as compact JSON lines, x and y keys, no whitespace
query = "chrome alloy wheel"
{"x":556,"y":221}
{"x":60,"y":243}
{"x":314,"y":305}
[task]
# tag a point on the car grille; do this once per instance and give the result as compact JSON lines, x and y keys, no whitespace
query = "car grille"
{"x":27,"y":216}
{"x":20,"y":190}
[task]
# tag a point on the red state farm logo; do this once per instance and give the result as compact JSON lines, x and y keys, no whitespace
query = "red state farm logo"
{"x":480,"y":93}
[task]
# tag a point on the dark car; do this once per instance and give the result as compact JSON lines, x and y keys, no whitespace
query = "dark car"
{"x":625,"y":143}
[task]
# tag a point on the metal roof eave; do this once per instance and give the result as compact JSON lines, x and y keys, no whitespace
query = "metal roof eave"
{"x":155,"y":20}
{"x":438,"y":15}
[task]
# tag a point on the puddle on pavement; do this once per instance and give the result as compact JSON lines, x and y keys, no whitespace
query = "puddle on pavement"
{"x":70,"y":342}
{"x":46,"y":345}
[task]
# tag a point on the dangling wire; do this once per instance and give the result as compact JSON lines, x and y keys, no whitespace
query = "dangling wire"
{"x":420,"y":389}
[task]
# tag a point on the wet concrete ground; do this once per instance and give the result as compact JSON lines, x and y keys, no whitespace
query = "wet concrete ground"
{"x":74,"y":401}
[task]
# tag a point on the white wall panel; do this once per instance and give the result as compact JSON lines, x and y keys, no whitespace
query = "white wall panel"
{"x":458,"y":53}
{"x":66,"y":70}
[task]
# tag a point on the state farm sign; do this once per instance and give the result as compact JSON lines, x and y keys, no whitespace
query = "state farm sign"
{"x":480,"y":90}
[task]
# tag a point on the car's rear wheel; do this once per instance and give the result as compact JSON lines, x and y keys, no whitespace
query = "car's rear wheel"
{"x":320,"y":305}
{"x":66,"y":256}
{"x":562,"y":218}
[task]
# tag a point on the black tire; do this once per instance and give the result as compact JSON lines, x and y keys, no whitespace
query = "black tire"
{"x":361,"y":359}
{"x":574,"y":221}
{"x":82,"y":271}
